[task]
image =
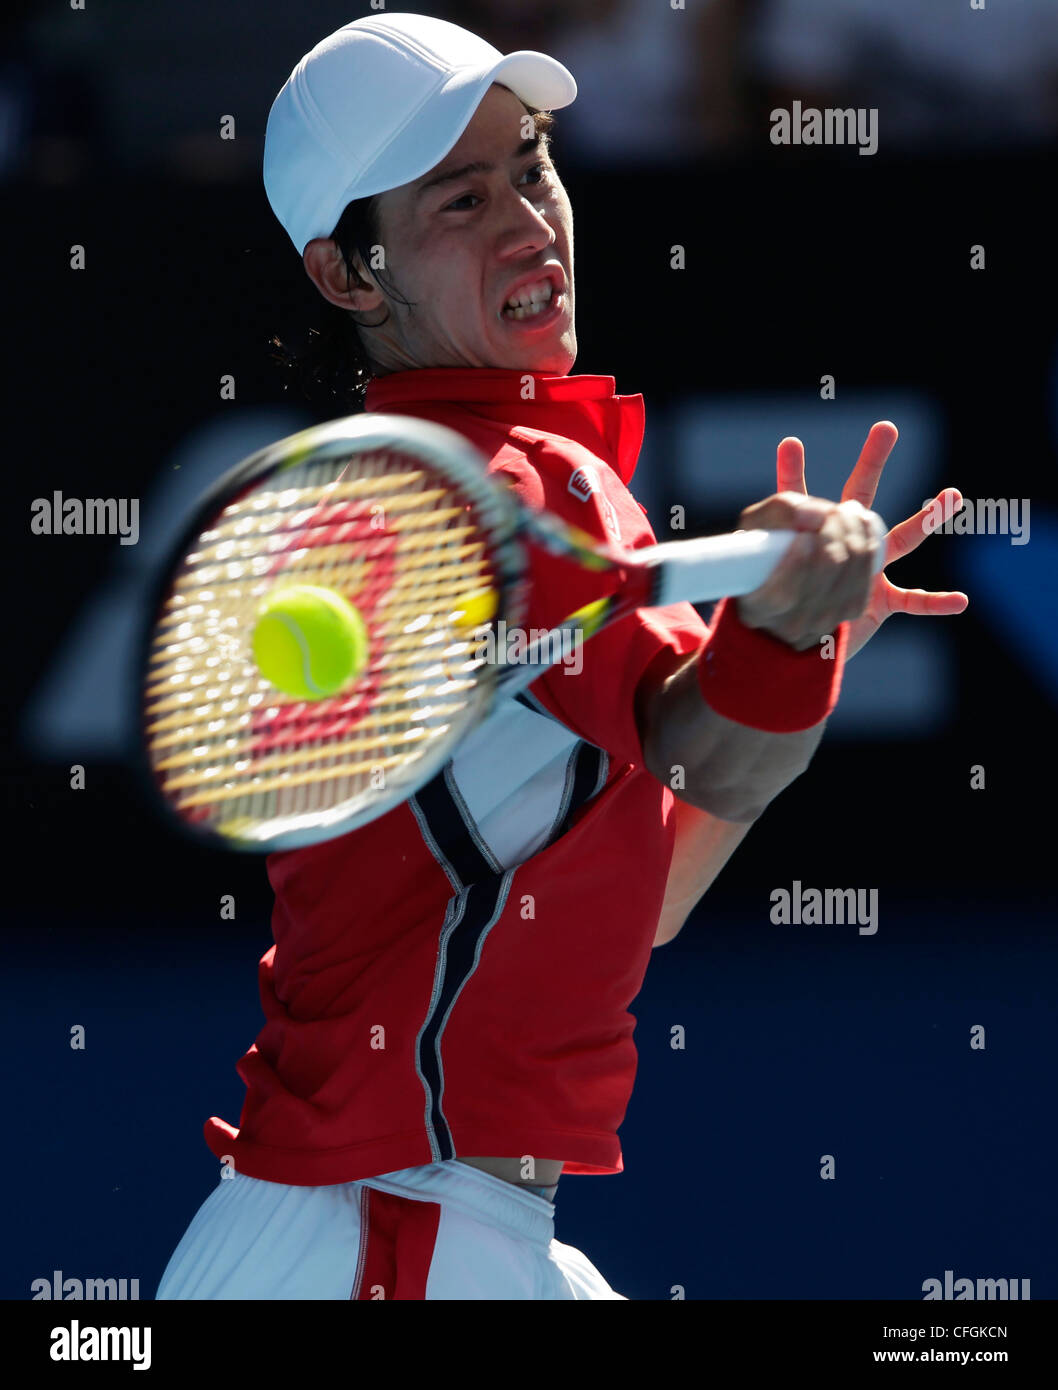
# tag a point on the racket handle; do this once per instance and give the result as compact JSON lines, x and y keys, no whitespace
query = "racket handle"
{"x":692,"y":571}
{"x":715,"y":567}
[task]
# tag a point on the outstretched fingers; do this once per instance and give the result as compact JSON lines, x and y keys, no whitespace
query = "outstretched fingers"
{"x":924,"y":603}
{"x":862,"y":485}
{"x":908,"y":535}
{"x":790,"y":466}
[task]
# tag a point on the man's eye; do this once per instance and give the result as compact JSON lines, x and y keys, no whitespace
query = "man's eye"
{"x":540,"y":170}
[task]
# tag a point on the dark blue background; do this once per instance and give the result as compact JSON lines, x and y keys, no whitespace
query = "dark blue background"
{"x":800,"y":1041}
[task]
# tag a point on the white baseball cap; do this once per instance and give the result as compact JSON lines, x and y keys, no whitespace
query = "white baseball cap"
{"x":379,"y":103}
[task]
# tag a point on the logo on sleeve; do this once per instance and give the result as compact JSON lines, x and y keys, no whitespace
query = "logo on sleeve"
{"x":583,"y":482}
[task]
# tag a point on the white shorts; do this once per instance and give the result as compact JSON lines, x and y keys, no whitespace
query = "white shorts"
{"x":443,"y":1230}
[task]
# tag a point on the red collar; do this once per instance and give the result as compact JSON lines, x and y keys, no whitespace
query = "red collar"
{"x":583,"y":408}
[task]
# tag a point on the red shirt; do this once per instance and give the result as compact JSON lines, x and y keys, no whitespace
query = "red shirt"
{"x":455,"y":977}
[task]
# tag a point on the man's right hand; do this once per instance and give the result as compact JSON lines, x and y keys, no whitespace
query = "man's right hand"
{"x":825,"y":578}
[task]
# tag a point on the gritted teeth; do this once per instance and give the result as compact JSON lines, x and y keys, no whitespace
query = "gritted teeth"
{"x":530,"y":297}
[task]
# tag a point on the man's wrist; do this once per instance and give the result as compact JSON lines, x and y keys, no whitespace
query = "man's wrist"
{"x":755,"y":679}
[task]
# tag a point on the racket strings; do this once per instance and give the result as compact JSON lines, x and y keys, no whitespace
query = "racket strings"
{"x":313,"y":535}
{"x":231,"y":750}
{"x":402,"y":603}
{"x":334,"y":558}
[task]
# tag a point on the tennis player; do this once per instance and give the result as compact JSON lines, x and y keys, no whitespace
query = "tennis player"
{"x":447,"y":999}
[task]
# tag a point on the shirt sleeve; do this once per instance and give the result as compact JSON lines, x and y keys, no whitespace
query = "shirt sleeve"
{"x":593,"y":690}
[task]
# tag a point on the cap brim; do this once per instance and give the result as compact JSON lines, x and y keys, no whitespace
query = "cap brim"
{"x":536,"y":79}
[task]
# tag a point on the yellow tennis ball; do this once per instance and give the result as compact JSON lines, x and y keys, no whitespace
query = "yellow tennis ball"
{"x":308,"y":641}
{"x":475,"y":608}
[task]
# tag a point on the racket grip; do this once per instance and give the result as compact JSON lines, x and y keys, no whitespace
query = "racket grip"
{"x":715,"y":567}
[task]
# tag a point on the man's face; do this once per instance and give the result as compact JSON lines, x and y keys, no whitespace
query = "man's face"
{"x":458,"y":249}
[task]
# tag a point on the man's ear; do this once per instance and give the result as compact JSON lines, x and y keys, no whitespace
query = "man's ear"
{"x":326,"y":269}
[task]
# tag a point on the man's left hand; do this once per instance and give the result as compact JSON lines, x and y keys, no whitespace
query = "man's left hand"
{"x":886,"y":599}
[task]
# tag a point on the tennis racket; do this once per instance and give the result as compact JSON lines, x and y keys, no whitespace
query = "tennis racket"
{"x":399,"y":517}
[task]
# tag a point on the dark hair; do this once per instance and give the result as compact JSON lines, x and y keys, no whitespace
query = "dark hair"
{"x":333,"y":369}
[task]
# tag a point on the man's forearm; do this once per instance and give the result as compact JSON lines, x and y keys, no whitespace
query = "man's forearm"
{"x":729,"y":770}
{"x":703,"y":845}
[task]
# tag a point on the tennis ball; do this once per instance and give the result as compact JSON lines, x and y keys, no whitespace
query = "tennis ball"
{"x":475,"y":608}
{"x":308,"y":641}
